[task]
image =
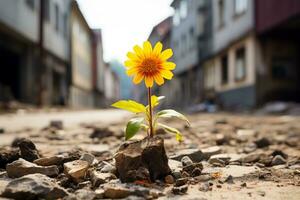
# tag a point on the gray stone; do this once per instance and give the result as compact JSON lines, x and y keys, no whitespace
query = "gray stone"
{"x":244,"y":135}
{"x":203,"y":178}
{"x":34,"y":186}
{"x":186,"y":161}
{"x":180,"y":190}
{"x":210,"y":151}
{"x":22,"y":167}
{"x":251,"y":158}
{"x":106,"y":167}
{"x":195,"y":155}
{"x":98,"y":178}
{"x":90,"y":158}
{"x":8,"y":156}
{"x":57,"y":124}
{"x":28,"y":149}
{"x":278,"y":160}
{"x":116,"y":192}
{"x":76,"y":169}
{"x":262,"y":142}
{"x":249,"y":148}
{"x":181,"y":181}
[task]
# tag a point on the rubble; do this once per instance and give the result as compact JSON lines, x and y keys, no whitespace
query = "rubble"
{"x":195,"y":155}
{"x":76,"y":169}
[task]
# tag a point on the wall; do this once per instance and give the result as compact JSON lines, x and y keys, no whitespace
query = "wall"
{"x":234,"y":26}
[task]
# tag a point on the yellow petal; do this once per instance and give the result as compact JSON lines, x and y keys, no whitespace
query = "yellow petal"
{"x":130,"y":63}
{"x":167,"y":74}
{"x":131,"y":71}
{"x":157,"y":49}
{"x":148,"y":81}
{"x":132,"y":56}
{"x":159,"y":79}
{"x":169,"y":65}
{"x":138,"y":78}
{"x":147,"y":48}
{"x":139,"y":51}
{"x":166,"y":54}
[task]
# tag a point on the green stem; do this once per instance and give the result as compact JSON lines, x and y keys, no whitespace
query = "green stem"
{"x":150,"y":113}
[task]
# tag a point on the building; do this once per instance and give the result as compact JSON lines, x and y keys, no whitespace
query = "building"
{"x":111,"y":85}
{"x":81,"y":84}
{"x":256,"y":51}
{"x":98,"y":69}
{"x":33,"y":67}
{"x":191,"y":38}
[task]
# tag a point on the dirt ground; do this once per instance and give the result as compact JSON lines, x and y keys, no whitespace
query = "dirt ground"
{"x":243,"y":156}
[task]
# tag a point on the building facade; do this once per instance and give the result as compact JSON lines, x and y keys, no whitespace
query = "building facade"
{"x":81,"y":88}
{"x":34,"y":68}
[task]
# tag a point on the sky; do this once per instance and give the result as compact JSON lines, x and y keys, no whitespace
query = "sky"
{"x":124,"y":23}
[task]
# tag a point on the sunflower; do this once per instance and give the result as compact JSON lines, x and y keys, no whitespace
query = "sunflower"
{"x":149,"y":64}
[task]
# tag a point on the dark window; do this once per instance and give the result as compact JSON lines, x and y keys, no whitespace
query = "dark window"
{"x":30,"y":3}
{"x":240,"y":64}
{"x":224,"y":68}
{"x":56,"y":17}
{"x":47,"y":10}
{"x":221,"y":8}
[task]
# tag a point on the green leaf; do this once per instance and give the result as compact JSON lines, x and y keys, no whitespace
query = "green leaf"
{"x":172,"y":113}
{"x":179,"y":137}
{"x":133,"y":126}
{"x":155,"y":100}
{"x":130,"y":105}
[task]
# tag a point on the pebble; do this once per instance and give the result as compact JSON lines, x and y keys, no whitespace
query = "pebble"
{"x":210,"y":151}
{"x":185,"y":160}
{"x":180,"y":190}
{"x":181,"y":181}
{"x":195,"y":155}
{"x":262,"y":142}
{"x":76,"y":169}
{"x":278,"y":160}
{"x":169,"y":179}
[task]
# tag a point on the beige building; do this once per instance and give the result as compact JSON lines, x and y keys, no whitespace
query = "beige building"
{"x":81,"y":60}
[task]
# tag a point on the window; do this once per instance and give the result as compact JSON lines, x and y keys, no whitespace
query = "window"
{"x":183,"y":9}
{"x":224,"y":69}
{"x":240,"y":6}
{"x":192,"y":38}
{"x":176,"y":18}
{"x":30,"y":4}
{"x":65,"y":25}
{"x":56,"y":17}
{"x":240,"y":65}
{"x":221,"y":8}
{"x":47,"y":10}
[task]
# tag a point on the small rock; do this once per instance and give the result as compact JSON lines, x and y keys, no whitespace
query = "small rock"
{"x":249,"y":148}
{"x":191,"y":167}
{"x":34,"y":186}
{"x":196,"y":172}
{"x":28,"y":150}
{"x":101,"y":133}
{"x":98,"y":178}
{"x":261,"y":193}
{"x":85,"y":194}
{"x":203,"y":178}
{"x":180,"y":190}
{"x":176,"y":174}
{"x":262,"y":142}
{"x":185,"y":160}
{"x":76,"y":169}
{"x":226,"y":157}
{"x":90,"y":158}
{"x":229,"y":180}
{"x":217,"y":162}
{"x":106,"y":167}
{"x":57,"y":124}
{"x":2,"y":130}
{"x":116,"y":192}
{"x":195,"y":155}
{"x":181,"y":181}
{"x":278,"y":160}
{"x":210,"y":151}
{"x":175,"y":165}
{"x":184,"y":174}
{"x":47,"y":161}
{"x":279,"y":152}
{"x":251,"y":158}
{"x":169,"y":179}
{"x":148,"y":153}
{"x":8,"y":156}
{"x":22,"y":167}
{"x":244,"y":135}
{"x":99,"y":193}
{"x":204,"y":187}
{"x":221,"y":139}
{"x":244,"y":184}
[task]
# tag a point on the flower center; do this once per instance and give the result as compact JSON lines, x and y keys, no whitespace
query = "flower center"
{"x":149,"y":66}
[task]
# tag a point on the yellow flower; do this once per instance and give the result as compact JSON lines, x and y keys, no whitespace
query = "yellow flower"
{"x":149,"y":64}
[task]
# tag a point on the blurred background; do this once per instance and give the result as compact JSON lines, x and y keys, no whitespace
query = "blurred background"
{"x":231,"y":55}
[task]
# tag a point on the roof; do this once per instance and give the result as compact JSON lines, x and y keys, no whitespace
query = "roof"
{"x":162,"y":28}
